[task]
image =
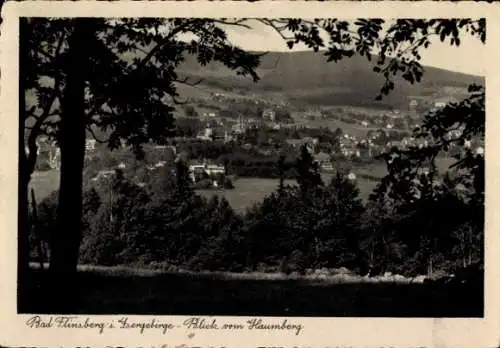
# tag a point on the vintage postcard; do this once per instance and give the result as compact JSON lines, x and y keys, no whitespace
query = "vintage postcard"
{"x":234,"y":174}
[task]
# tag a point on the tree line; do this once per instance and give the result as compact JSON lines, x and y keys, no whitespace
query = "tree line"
{"x":308,"y":225}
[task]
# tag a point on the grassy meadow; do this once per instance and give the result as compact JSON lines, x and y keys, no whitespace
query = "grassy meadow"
{"x":247,"y":192}
{"x":109,"y":292}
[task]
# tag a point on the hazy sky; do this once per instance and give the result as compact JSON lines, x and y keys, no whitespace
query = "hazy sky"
{"x":468,"y":58}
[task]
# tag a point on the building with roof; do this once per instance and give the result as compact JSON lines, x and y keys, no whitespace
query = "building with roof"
{"x":269,"y":115}
{"x":311,"y":143}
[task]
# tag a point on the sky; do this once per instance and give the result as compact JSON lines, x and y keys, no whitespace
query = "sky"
{"x":467,"y":58}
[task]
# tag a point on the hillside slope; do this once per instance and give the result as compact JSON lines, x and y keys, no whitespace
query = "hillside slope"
{"x":307,"y":77}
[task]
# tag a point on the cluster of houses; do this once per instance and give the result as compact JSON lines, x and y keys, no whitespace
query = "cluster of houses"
{"x":227,"y":133}
{"x":309,"y":142}
{"x":353,"y":147}
{"x":402,"y":119}
{"x":196,"y":170}
{"x":199,"y":171}
{"x":349,"y":145}
{"x":214,"y":133}
{"x":225,"y":98}
{"x":217,"y":124}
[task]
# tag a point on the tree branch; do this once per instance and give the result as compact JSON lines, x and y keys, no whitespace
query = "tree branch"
{"x":185,"y":81}
{"x":279,"y":30}
{"x":178,"y":102}
{"x":30,"y":113}
{"x":91,"y":131}
{"x":45,"y":54}
{"x":236,"y":22}
{"x":162,"y":41}
{"x":36,"y":130}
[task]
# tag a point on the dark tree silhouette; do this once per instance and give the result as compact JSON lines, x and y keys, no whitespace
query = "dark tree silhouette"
{"x":308,"y":175}
{"x":281,"y":171}
{"x":396,"y":51}
{"x":116,"y":75}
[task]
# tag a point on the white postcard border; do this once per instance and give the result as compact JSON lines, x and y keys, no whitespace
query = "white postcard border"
{"x":317,"y":332}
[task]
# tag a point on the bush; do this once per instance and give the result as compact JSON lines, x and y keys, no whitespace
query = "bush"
{"x":228,"y":183}
{"x":204,"y":184}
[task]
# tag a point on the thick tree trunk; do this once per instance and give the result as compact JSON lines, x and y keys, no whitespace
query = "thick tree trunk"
{"x":23,"y":237}
{"x":281,"y":183}
{"x":24,"y":178}
{"x":36,"y":230}
{"x":430,"y":270}
{"x":67,"y":235}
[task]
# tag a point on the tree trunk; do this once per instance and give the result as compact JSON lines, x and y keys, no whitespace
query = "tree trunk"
{"x":67,"y":234}
{"x":35,"y":223}
{"x":430,"y":270}
{"x":22,"y":235}
{"x":24,"y":178}
{"x":281,"y":168}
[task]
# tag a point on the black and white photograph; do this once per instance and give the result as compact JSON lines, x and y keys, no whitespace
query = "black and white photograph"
{"x":168,"y":167}
{"x":259,"y":167}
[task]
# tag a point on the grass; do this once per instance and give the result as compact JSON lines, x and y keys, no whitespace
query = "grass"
{"x":108,"y":292}
{"x":248,"y":191}
{"x":44,"y":183}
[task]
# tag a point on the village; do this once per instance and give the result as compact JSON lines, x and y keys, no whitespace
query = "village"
{"x":375,"y":135}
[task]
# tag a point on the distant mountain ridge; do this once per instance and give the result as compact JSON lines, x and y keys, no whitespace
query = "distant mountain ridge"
{"x":307,"y":77}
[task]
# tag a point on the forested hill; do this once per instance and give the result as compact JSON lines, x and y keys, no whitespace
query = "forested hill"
{"x":308,"y":77}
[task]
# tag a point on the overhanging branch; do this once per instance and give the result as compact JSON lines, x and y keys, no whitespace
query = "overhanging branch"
{"x":36,"y":129}
{"x":185,"y":81}
{"x":91,"y":131}
{"x":144,"y":61}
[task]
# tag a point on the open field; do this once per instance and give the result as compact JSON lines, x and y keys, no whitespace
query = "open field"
{"x":109,"y":292}
{"x":44,"y":183}
{"x":247,"y":192}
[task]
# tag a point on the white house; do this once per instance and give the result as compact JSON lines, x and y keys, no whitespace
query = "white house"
{"x":208,"y":169}
{"x":206,"y":134}
{"x":90,"y":144}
